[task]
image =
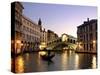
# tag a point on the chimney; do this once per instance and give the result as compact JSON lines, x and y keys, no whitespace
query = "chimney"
{"x":87,"y":19}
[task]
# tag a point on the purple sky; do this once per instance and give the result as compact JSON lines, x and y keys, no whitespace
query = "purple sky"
{"x":60,"y":18}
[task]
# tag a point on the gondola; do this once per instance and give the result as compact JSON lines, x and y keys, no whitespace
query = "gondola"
{"x":47,"y":57}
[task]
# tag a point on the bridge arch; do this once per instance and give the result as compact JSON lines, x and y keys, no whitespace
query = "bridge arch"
{"x":64,"y":41}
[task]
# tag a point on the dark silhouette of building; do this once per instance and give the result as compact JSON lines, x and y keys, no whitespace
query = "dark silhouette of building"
{"x":87,"y":36}
{"x":51,"y":35}
{"x":16,"y":23}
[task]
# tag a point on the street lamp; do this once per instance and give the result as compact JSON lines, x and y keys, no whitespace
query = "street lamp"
{"x":18,"y":46}
{"x":94,"y":45}
{"x":18,"y":41}
{"x":94,"y":41}
{"x":21,"y":44}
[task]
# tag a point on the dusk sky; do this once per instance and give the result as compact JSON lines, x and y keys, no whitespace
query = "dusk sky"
{"x":60,"y":18}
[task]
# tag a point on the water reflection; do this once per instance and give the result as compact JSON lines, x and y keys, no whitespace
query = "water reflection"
{"x":19,"y":65}
{"x":76,"y":61}
{"x":67,"y":60}
{"x":64,"y":61}
{"x":27,"y":56}
{"x":94,"y":62}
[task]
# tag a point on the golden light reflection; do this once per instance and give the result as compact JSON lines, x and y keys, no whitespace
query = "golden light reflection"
{"x":40,"y":64}
{"x":39,"y":61}
{"x":42,"y":53}
{"x":64,"y":61}
{"x":76,"y":61}
{"x":70,"y":52}
{"x":94,"y":62}
{"x":27,"y":56}
{"x":19,"y":63}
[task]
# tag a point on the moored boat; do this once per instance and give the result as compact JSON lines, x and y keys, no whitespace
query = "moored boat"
{"x":48,"y":55}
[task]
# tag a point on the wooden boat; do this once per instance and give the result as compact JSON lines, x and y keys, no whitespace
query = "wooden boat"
{"x":47,"y":57}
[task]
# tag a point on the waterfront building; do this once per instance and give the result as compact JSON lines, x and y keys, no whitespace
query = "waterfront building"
{"x":51,"y":38}
{"x":25,"y":34}
{"x":30,"y":34}
{"x":16,"y":24}
{"x":87,"y":36}
{"x":44,"y":36}
{"x":51,"y":35}
{"x":43,"y":33}
{"x":43,"y":39}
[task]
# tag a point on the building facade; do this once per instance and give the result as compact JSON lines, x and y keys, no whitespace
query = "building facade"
{"x":51,"y":38}
{"x":30,"y":34}
{"x":87,"y":36}
{"x":43,"y":43}
{"x":16,"y":24}
{"x":51,"y":35}
{"x":44,"y":36}
{"x":25,"y":34}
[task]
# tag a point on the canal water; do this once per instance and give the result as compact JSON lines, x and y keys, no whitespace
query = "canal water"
{"x":67,"y":60}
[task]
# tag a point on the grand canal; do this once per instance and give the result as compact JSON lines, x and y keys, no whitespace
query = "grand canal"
{"x":67,"y":60}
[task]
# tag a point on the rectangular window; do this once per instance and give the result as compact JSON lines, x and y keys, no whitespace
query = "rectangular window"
{"x":91,"y":47}
{"x":91,"y":36}
{"x":84,"y":47}
{"x":87,"y":47}
{"x":87,"y":37}
{"x":90,"y":28}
